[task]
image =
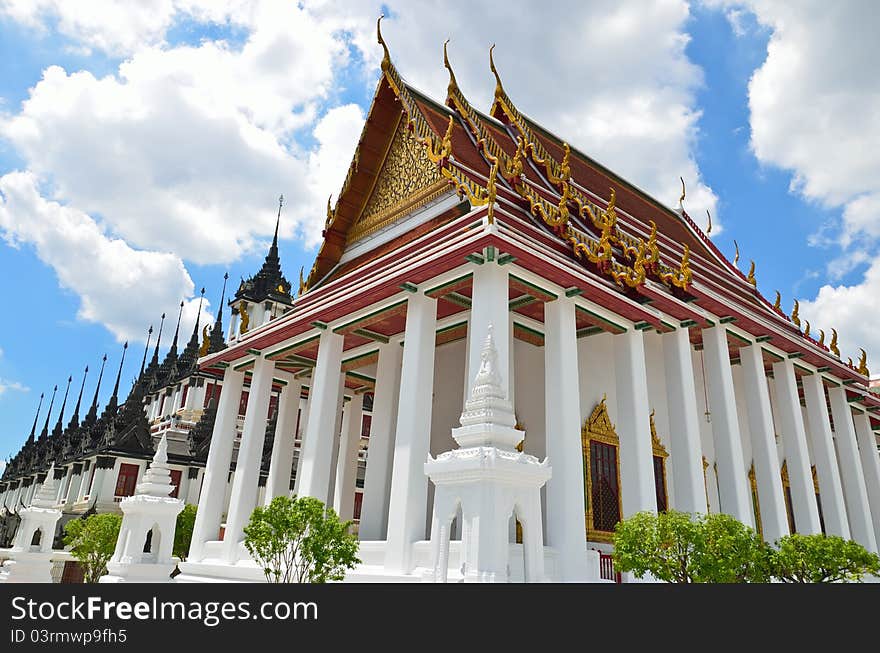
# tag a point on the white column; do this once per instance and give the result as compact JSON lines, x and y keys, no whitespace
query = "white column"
{"x":855,"y":492}
{"x":407,"y":511}
{"x":337,"y":437}
{"x":684,"y":427}
{"x":317,"y":447}
{"x":765,"y":457}
{"x":278,"y":483}
{"x":303,"y":427}
{"x":346,"y":467}
{"x":489,"y":306}
{"x":250,"y":453}
{"x":633,"y":424}
{"x":211,"y":499}
{"x":377,"y":479}
{"x":870,"y":467}
{"x":794,"y":442}
{"x":732,"y":476}
{"x":827,"y":472}
{"x":566,"y":529}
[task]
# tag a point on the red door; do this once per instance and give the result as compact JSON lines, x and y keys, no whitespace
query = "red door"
{"x":126,"y":480}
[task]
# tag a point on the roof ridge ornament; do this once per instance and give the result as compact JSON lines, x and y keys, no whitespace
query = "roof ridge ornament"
{"x":821,"y":338}
{"x":386,"y":57}
{"x":794,"y":314}
{"x":683,"y":194}
{"x":807,"y":329}
{"x":453,"y":84}
{"x":499,"y":88}
{"x":751,"y":276}
{"x":833,"y":344}
{"x":778,"y":302}
{"x":709,"y":226}
{"x":736,"y":255}
{"x":863,"y":363}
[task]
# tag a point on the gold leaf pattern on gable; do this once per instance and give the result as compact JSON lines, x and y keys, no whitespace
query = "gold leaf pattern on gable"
{"x":408,"y":179}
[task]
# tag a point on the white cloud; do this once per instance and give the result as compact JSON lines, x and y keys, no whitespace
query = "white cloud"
{"x":12,"y":385}
{"x":120,"y":287}
{"x":815,"y":111}
{"x":180,"y":154}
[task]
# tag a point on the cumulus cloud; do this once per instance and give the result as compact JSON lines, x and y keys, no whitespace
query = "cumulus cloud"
{"x":120,"y":287}
{"x":180,"y":153}
{"x":815,"y":111}
{"x":12,"y":385}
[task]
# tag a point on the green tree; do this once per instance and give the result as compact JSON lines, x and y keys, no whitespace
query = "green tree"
{"x":300,"y":540}
{"x":92,"y":542}
{"x":183,"y":531}
{"x":730,"y":552}
{"x":821,"y":559}
{"x":678,"y":547}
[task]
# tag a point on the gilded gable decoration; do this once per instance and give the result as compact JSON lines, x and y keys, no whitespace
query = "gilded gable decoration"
{"x":407,"y":180}
{"x":656,"y":443}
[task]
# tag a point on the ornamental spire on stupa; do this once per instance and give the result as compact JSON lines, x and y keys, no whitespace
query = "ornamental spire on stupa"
{"x":157,"y":479}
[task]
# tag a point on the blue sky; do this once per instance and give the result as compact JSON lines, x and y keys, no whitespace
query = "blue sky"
{"x":142,"y":152}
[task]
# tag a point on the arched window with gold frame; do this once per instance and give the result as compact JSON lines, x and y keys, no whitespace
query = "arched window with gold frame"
{"x":786,"y":488}
{"x":601,"y":474}
{"x":659,"y":458}
{"x":756,"y":503}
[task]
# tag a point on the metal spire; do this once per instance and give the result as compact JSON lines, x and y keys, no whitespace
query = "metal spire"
{"x":114,"y":398}
{"x":155,"y":360}
{"x":45,"y":430}
{"x":93,"y":411}
{"x":146,"y":349}
{"x":58,"y":428}
{"x":177,"y":329}
{"x":198,"y":315}
{"x":223,"y":296}
{"x":36,"y":417}
{"x":74,"y":420}
{"x":277,"y":222}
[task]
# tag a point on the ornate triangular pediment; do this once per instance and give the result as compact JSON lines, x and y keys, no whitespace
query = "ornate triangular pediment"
{"x":599,"y":424}
{"x":407,"y":180}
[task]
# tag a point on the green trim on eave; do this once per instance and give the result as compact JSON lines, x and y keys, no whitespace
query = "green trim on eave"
{"x":431,"y":291}
{"x":450,"y":327}
{"x":601,"y":318}
{"x":295,"y":345}
{"x":529,"y":284}
{"x":474,"y":258}
{"x":371,"y":335}
{"x":504,"y":259}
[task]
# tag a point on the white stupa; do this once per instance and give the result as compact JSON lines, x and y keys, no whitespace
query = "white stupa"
{"x":30,"y":562}
{"x":149,"y":510}
{"x":489,"y":480}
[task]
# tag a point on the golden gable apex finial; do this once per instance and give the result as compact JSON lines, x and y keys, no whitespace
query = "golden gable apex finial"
{"x":751,"y":276}
{"x":794,"y":314}
{"x":386,"y":56}
{"x":683,"y":194}
{"x":807,"y":328}
{"x":736,"y":255}
{"x":778,"y":302}
{"x":863,"y":363}
{"x":499,"y":89}
{"x":709,"y":226}
{"x":821,"y":338}
{"x":833,"y":344}
{"x":453,"y":84}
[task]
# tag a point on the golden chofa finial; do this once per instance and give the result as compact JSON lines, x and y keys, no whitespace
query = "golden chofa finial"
{"x":386,"y":57}
{"x":807,"y":329}
{"x":751,"y":276}
{"x":794,"y":314}
{"x":683,"y":193}
{"x":778,"y":301}
{"x":736,"y":255}
{"x":833,"y":344}
{"x":453,"y":85}
{"x":821,"y":338}
{"x":329,"y":212}
{"x":863,"y":363}
{"x":849,"y":362}
{"x":709,"y":226}
{"x":499,"y":89}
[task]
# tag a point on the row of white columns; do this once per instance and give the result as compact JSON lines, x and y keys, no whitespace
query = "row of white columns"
{"x":395,"y":493}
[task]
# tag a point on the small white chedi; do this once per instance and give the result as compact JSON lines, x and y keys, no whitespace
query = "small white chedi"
{"x":31,"y":563}
{"x":488,"y":479}
{"x":149,"y":510}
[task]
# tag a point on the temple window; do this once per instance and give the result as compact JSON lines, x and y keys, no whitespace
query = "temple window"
{"x":756,"y":505}
{"x":602,"y":492}
{"x":659,"y":458}
{"x":126,"y":481}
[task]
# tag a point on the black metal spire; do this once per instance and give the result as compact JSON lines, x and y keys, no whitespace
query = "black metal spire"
{"x":92,"y":415}
{"x":36,"y":417}
{"x":269,"y":282}
{"x":217,"y":342}
{"x":115,"y":398}
{"x":45,"y":430}
{"x":155,"y":360}
{"x":58,"y":428}
{"x":146,"y":349}
{"x":74,"y":420}
{"x":177,"y":329}
{"x":195,"y":334}
{"x":277,"y":222}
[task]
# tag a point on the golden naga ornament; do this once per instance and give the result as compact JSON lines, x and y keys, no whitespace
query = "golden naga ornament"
{"x":683,"y":193}
{"x":245,"y":318}
{"x":833,"y":344}
{"x":206,"y":342}
{"x":438,"y":151}
{"x":751,"y":276}
{"x":778,"y":302}
{"x":794,"y":314}
{"x":709,"y":226}
{"x":821,"y":338}
{"x":849,"y":362}
{"x":863,"y":363}
{"x":736,"y":255}
{"x":807,"y":330}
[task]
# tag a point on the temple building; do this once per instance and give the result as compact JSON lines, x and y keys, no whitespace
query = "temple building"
{"x":502,"y":349}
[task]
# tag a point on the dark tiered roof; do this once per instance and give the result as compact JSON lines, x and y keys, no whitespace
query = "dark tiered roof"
{"x":269,"y":282}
